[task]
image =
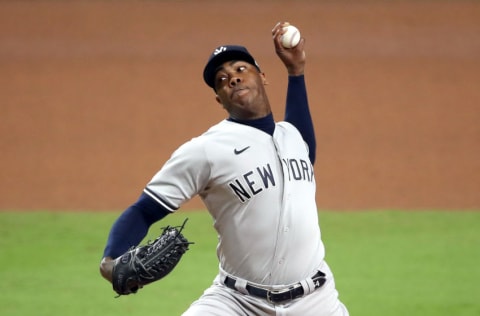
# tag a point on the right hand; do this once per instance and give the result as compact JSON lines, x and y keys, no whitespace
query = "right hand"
{"x":293,"y":58}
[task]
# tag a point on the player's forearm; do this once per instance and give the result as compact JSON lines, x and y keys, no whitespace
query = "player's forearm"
{"x":297,"y":112}
{"x":129,"y":229}
{"x":132,"y":225}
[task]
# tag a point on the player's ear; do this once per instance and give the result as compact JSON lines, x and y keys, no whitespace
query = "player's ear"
{"x":264,"y":78}
{"x":218,"y":99}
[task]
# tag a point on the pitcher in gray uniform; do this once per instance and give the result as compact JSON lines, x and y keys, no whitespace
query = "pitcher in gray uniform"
{"x":255,"y":176}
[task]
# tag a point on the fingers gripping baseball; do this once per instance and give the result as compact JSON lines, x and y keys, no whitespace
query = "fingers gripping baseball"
{"x":292,"y":57}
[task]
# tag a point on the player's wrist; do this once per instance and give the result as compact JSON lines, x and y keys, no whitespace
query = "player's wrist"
{"x":296,"y":76}
{"x":296,"y":71}
{"x":106,"y":267}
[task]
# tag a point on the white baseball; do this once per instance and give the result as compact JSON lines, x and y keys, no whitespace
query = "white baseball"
{"x":291,"y":37}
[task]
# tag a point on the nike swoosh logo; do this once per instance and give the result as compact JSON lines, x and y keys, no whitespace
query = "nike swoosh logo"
{"x":239,"y":151}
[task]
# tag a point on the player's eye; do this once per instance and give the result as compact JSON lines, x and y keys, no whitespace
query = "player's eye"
{"x":221,"y":78}
{"x":242,"y":68}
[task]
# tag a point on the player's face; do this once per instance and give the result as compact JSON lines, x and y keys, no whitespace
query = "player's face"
{"x":240,"y":88}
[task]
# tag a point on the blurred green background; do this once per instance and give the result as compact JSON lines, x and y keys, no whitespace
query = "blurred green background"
{"x":385,"y":263}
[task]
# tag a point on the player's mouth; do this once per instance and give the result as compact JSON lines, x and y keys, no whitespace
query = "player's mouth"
{"x":239,"y":92}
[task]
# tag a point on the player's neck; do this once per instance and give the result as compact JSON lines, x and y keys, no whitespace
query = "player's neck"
{"x":266,"y":123}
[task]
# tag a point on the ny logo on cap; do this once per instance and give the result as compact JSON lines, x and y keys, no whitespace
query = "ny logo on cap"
{"x":219,"y":50}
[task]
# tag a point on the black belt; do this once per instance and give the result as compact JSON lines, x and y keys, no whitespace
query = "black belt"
{"x":277,"y":296}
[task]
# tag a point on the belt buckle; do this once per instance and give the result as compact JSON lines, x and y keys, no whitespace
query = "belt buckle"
{"x":268,"y":297}
{"x":282,"y":292}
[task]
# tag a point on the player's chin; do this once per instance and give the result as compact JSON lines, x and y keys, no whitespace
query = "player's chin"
{"x":240,"y":104}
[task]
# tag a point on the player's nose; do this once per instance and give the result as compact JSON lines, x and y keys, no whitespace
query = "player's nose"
{"x":234,"y":81}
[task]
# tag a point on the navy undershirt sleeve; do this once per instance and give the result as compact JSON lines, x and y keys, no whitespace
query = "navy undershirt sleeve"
{"x":297,"y":112}
{"x":132,"y":225}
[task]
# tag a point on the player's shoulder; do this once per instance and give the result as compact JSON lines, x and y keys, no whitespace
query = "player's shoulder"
{"x":222,"y":131}
{"x":203,"y":139}
{"x":286,"y":127}
{"x":285,"y":124}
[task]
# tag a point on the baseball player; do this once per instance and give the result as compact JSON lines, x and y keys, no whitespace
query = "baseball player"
{"x":256,"y":178}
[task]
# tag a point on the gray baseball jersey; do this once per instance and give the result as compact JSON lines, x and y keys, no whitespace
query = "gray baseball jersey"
{"x":260,"y":191}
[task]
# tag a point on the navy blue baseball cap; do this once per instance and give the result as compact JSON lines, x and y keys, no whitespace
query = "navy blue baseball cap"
{"x":223,"y":54}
